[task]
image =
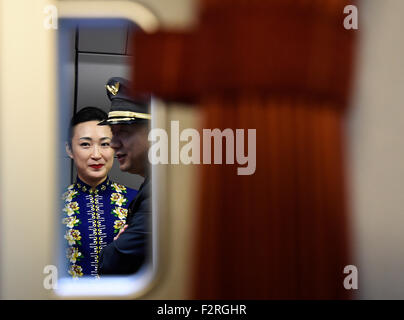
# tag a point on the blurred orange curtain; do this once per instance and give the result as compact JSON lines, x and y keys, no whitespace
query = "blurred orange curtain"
{"x":284,"y":68}
{"x":281,"y":233}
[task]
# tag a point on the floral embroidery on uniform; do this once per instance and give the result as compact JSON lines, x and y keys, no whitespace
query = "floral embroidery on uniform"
{"x":93,"y":203}
{"x":76,"y":271}
{"x":118,"y":187}
{"x":73,"y":237}
{"x":69,"y":195}
{"x":118,"y":224}
{"x":71,"y":222}
{"x":71,"y":208}
{"x":121,"y":213}
{"x":118,"y":199}
{"x":73,"y":254}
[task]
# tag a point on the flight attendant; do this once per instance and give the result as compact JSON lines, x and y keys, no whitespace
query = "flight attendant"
{"x":94,"y":207}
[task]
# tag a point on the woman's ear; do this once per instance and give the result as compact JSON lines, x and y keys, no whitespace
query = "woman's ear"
{"x":69,"y":151}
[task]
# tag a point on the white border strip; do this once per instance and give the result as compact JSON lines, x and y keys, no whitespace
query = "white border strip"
{"x":130,"y":10}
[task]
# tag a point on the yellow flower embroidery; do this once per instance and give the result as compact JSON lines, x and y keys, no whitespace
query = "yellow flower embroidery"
{"x":71,"y":208}
{"x":76,"y":271}
{"x":118,"y":187}
{"x":118,"y":224}
{"x":74,"y":206}
{"x":73,"y":254}
{"x":73,"y":236}
{"x":69,"y":195}
{"x":121,"y":213}
{"x":70,"y":222}
{"x":118,"y":199}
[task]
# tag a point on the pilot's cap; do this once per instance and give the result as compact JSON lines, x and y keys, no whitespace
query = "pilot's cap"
{"x":125,"y":108}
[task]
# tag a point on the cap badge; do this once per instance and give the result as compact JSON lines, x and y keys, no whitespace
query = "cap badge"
{"x":113,"y":88}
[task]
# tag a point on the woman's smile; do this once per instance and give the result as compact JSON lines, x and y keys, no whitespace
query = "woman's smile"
{"x":96,"y":166}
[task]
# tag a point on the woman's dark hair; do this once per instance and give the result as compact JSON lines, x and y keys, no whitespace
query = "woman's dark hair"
{"x":84,"y":115}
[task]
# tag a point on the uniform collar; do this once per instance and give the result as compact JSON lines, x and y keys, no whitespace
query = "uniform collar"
{"x":82,"y":186}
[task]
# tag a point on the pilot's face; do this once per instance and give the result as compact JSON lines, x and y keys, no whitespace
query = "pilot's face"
{"x":131,"y":146}
{"x":91,"y":151}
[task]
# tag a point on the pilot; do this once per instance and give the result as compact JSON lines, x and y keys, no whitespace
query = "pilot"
{"x":94,"y":207}
{"x":129,"y":120}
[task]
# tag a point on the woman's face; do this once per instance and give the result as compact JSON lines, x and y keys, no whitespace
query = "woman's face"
{"x":91,"y":151}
